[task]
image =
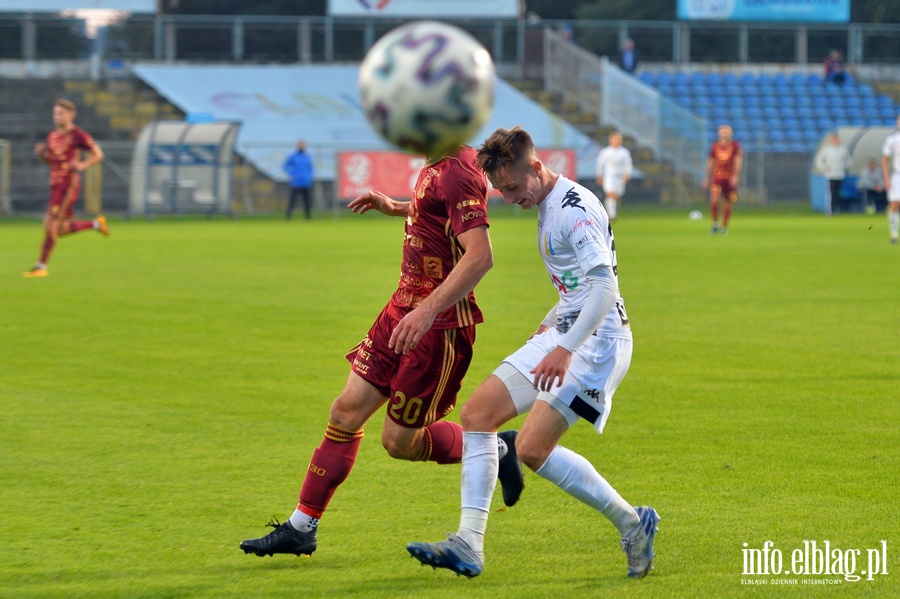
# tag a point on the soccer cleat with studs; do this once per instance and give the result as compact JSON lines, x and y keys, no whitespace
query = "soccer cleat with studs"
{"x":284,"y":539}
{"x":102,"y":227}
{"x":453,"y":554}
{"x":509,"y":472}
{"x":638,"y":544}
{"x":35,"y":272}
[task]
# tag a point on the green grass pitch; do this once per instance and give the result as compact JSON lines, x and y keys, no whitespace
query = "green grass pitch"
{"x":162,"y":391}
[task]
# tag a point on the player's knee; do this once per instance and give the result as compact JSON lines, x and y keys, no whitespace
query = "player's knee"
{"x":531,"y":454}
{"x":399,"y":448}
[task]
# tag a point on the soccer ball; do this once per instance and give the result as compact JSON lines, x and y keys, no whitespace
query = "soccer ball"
{"x":427,"y":87}
{"x":695,"y":215}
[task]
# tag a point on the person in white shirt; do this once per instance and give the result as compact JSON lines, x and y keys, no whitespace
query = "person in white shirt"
{"x":614,"y":169}
{"x":567,"y":371}
{"x":871,"y":184}
{"x":890,"y":166}
{"x":833,"y":161}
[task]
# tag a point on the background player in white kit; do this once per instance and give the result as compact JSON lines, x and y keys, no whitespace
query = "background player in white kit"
{"x":568,"y":370}
{"x":614,"y":169}
{"x":890,"y":165}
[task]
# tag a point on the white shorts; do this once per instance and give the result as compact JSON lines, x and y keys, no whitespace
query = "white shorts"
{"x":894,"y":191}
{"x":614,"y":185}
{"x":596,"y":370}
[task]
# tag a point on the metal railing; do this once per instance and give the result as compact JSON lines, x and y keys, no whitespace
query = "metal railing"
{"x":285,"y":38}
{"x":5,"y":167}
{"x":626,"y":103}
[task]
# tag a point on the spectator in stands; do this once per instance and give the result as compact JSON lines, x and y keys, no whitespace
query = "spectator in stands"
{"x":834,"y":67}
{"x":871,"y":185}
{"x":833,"y":161}
{"x":628,"y":57}
{"x":299,"y":168}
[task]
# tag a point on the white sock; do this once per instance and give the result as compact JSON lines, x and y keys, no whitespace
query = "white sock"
{"x":894,"y":223}
{"x":611,"y":207}
{"x":478,"y":479}
{"x":303,"y":522}
{"x":577,"y":477}
{"x":95,"y":223}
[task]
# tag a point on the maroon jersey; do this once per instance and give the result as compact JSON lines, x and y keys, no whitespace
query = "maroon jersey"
{"x":724,"y":156}
{"x":450,"y":198}
{"x":62,"y":149}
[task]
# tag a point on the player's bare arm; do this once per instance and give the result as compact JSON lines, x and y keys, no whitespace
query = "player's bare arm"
{"x":474,"y":264}
{"x":40,"y":150}
{"x":886,"y":171}
{"x":95,"y":155}
{"x":709,"y":170}
{"x":375,"y":200}
{"x":738,"y":161}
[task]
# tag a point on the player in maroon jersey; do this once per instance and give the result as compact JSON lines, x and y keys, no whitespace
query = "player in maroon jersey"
{"x":61,"y":154}
{"x":723,"y":171}
{"x":415,"y":355}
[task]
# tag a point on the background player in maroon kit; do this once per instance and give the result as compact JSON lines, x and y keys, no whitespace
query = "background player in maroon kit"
{"x":723,"y":169}
{"x":60,"y":153}
{"x":417,"y":351}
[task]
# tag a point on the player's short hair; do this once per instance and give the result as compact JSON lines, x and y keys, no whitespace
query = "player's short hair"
{"x":67,"y":104}
{"x":505,"y":147}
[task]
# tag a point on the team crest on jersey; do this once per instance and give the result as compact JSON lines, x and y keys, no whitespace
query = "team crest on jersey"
{"x":572,"y":199}
{"x":426,"y":180}
{"x":548,"y":245}
{"x":434,"y":267}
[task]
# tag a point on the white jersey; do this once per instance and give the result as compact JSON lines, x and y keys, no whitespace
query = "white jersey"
{"x":614,"y":163}
{"x":574,"y":236}
{"x":891,"y":149}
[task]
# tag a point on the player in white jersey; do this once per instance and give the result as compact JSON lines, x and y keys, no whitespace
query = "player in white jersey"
{"x":567,"y":371}
{"x":890,"y":166}
{"x":614,"y":169}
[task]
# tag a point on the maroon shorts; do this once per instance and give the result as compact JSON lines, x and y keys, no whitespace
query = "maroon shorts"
{"x":64,"y":194}
{"x":723,"y":189}
{"x":422,"y":385}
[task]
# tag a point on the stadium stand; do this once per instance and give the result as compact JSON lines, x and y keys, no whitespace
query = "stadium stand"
{"x":775,"y":113}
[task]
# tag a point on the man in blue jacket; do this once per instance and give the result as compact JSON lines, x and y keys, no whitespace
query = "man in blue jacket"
{"x":299,"y":168}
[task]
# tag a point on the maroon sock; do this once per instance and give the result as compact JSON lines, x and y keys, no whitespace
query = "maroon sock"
{"x":443,"y":443}
{"x":80,"y":225}
{"x":46,"y":248}
{"x":330,"y":466}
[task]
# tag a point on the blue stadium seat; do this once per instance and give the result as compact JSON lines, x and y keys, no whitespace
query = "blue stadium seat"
{"x":885,"y":101}
{"x":797,"y":146}
{"x":730,"y":79}
{"x":752,"y":101}
{"x":714,"y":79}
{"x":814,"y":80}
{"x":798,"y":80}
{"x":663,"y":78}
{"x":681,"y":78}
{"x":866,"y":90}
{"x":648,"y":77}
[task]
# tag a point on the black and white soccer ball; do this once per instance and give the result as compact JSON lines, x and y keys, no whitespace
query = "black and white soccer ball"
{"x":427,"y":87}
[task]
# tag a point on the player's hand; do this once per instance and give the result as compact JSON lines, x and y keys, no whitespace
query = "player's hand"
{"x":552,"y":369}
{"x":39,"y":150}
{"x":705,"y":184}
{"x":410,"y":330}
{"x":734,"y":182}
{"x":78,"y":166}
{"x":372,"y":200}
